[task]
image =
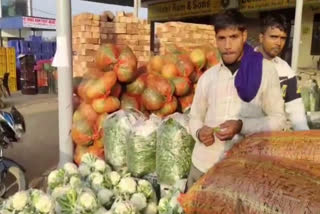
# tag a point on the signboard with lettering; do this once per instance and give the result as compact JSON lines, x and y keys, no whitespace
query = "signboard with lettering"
{"x":41,"y":23}
{"x":182,"y":8}
{"x":178,"y":9}
{"x":254,"y":5}
{"x":247,"y":5}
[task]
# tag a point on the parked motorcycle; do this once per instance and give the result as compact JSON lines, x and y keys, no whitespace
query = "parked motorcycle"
{"x":12,"y":176}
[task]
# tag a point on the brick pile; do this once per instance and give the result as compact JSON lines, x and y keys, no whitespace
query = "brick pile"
{"x":90,"y":31}
{"x":184,"y":35}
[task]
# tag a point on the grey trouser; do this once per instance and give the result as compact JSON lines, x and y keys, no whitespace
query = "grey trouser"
{"x":194,"y":175}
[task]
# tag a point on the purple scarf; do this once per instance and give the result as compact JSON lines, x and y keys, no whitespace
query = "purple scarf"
{"x":248,"y":78}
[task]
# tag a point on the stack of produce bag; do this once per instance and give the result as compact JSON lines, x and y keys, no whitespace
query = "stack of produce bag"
{"x":99,"y":92}
{"x":164,"y":86}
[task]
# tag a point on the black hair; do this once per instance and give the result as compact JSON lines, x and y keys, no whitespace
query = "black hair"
{"x":274,"y":20}
{"x":229,"y":18}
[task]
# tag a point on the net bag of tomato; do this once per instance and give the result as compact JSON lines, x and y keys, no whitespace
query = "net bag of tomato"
{"x":106,"y":105}
{"x":126,"y":67}
{"x":83,"y":133}
{"x":168,"y":108}
{"x":107,"y":57}
{"x":161,"y":85}
{"x":130,"y":102}
{"x":98,"y":88}
{"x":137,"y":87}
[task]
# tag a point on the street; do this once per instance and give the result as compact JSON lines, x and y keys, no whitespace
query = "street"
{"x":39,"y":149}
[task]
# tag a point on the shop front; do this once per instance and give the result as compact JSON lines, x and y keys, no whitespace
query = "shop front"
{"x":203,"y":11}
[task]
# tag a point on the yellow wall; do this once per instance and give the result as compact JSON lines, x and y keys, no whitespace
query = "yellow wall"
{"x":305,"y":58}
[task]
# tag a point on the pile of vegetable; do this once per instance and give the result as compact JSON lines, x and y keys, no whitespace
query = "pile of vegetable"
{"x":91,"y":188}
{"x":164,"y":86}
{"x":27,"y":202}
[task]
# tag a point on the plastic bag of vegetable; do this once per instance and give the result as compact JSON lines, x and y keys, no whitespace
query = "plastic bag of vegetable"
{"x":174,"y":149}
{"x":141,"y":156}
{"x":116,"y":130}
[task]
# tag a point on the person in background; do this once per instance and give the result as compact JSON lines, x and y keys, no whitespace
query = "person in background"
{"x":237,"y":97}
{"x":272,"y":40}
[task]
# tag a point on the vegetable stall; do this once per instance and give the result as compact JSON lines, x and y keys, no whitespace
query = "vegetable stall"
{"x":133,"y":149}
{"x":126,"y":160}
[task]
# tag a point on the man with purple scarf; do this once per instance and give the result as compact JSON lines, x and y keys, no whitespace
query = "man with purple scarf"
{"x":238,"y":97}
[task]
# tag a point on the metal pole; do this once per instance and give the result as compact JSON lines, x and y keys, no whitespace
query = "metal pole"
{"x":64,"y":81}
{"x":29,"y":8}
{"x":296,"y":35}
{"x":136,"y":8}
{"x":1,"y":40}
{"x":139,"y":7}
{"x":0,"y":8}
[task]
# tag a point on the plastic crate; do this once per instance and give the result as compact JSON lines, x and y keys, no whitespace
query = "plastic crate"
{"x":24,"y":47}
{"x":11,"y":57}
{"x":16,"y":45}
{"x":12,"y":70}
{"x":36,"y":38}
{"x":3,"y":59}
{"x":3,"y":69}
{"x":3,"y":64}
{"x":2,"y":51}
{"x":10,"y":52}
{"x":12,"y":82}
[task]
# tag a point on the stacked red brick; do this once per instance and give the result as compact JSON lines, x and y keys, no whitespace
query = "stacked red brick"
{"x":184,"y":35}
{"x":90,"y":31}
{"x":86,"y":40}
{"x":136,"y":35}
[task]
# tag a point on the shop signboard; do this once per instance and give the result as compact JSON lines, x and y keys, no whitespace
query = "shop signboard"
{"x":178,"y":9}
{"x":255,"y":5}
{"x":40,"y":23}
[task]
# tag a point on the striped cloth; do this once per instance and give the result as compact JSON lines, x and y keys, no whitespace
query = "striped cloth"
{"x":294,"y":107}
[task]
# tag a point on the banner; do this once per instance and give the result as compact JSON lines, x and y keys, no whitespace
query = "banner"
{"x":179,"y":9}
{"x":41,"y":23}
{"x":182,"y":8}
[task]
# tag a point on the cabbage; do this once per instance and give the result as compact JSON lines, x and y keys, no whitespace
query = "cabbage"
{"x":174,"y":149}
{"x":141,"y":147}
{"x":124,"y":207}
{"x":57,"y":178}
{"x":139,"y":201}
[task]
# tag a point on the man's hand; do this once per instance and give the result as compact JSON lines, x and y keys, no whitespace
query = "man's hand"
{"x":229,"y":129}
{"x":205,"y":135}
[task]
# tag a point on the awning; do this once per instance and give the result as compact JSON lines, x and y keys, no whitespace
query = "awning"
{"x":34,"y":23}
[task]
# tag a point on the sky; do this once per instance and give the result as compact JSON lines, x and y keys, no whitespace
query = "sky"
{"x":47,"y":8}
